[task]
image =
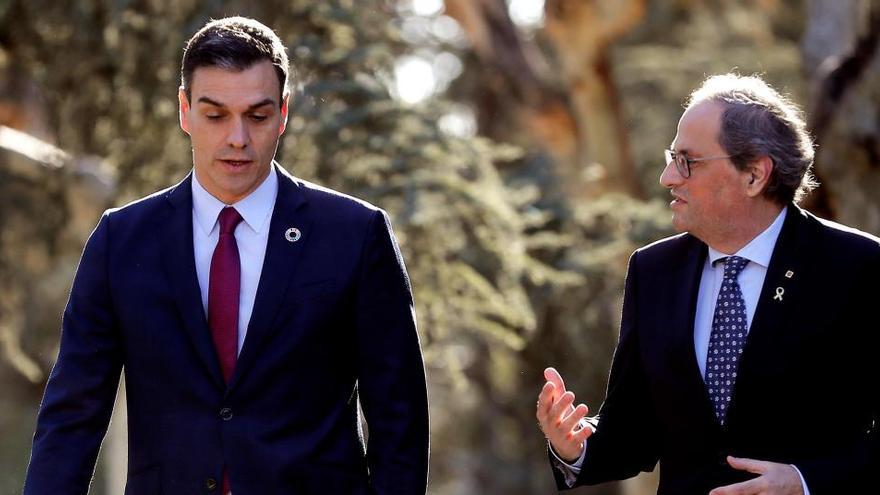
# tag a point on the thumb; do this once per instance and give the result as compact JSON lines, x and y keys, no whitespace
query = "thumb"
{"x":750,"y":465}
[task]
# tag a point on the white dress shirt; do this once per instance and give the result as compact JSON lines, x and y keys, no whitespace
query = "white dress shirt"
{"x":751,"y":280}
{"x":251,"y":235}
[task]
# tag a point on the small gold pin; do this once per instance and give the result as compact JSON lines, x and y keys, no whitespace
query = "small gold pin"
{"x":789,"y":274}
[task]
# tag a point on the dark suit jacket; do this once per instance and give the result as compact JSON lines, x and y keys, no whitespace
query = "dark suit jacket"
{"x":333,"y":322}
{"x":808,"y":388}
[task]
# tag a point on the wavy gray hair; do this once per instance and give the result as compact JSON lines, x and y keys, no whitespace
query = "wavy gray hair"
{"x":758,"y":121}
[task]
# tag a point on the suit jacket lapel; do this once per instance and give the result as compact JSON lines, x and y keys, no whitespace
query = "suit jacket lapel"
{"x":279,"y":265}
{"x":684,"y":309}
{"x":778,"y":301}
{"x":176,"y":239}
{"x":779,"y":290}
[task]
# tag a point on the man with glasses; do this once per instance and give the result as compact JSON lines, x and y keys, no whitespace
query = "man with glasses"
{"x":746,"y":362}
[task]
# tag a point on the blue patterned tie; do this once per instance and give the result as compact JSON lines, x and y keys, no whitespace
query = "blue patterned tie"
{"x":729,"y":330}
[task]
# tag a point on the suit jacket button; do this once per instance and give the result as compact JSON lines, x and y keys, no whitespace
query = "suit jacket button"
{"x":226,"y":414}
{"x":211,"y":484}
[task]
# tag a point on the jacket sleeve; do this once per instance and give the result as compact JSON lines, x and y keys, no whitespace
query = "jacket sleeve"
{"x":391,"y":375}
{"x":626,"y":439}
{"x":853,"y":468}
{"x":81,"y":389}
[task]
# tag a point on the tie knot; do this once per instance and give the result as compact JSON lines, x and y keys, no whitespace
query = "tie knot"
{"x":229,"y":219}
{"x":733,"y":265}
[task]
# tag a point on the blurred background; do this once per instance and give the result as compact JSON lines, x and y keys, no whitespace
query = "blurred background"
{"x":517,"y":145}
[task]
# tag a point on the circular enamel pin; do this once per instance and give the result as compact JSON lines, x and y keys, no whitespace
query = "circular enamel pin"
{"x":292,"y":234}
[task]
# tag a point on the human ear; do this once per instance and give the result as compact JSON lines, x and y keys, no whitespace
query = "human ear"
{"x":183,"y":109}
{"x":759,"y":173}
{"x":285,"y":105}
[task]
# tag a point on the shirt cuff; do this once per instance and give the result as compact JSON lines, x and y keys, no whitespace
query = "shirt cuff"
{"x":803,"y":482}
{"x":571,"y":471}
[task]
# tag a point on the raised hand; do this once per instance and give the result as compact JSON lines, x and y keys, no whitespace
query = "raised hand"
{"x":560,"y":420}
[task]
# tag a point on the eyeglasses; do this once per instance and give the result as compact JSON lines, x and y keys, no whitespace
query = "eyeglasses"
{"x":683,"y":163}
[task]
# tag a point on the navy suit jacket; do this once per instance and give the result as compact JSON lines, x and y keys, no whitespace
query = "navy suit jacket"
{"x":333,"y":323}
{"x":808,"y":385}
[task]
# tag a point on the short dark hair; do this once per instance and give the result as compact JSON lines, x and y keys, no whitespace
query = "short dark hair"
{"x":233,"y":43}
{"x":758,"y":121}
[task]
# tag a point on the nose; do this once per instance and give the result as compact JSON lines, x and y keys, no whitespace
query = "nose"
{"x":239,"y":136}
{"x":670,"y":177}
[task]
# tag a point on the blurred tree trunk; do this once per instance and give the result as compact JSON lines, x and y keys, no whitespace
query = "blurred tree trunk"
{"x":581,"y":34}
{"x":840,"y":54}
{"x":49,"y":201}
{"x":557,"y":94}
{"x":573,"y":110}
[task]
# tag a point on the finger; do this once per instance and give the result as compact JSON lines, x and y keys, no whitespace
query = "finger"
{"x":545,"y":401}
{"x":751,"y":487}
{"x":584,"y":433}
{"x":750,"y":465}
{"x":570,"y":420}
{"x":553,"y":376}
{"x":559,"y":407}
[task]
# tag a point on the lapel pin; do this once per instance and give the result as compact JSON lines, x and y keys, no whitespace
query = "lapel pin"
{"x":292,"y":234}
{"x":789,"y":274}
{"x":779,"y":292}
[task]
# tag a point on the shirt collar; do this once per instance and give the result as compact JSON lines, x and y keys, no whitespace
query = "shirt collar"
{"x":760,"y":249}
{"x":255,"y":208}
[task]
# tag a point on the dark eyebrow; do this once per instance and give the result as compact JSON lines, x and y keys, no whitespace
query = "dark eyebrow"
{"x":261,"y":103}
{"x":205,"y":99}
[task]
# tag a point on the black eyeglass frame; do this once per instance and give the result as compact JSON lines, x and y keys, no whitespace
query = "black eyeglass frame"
{"x":683,"y":162}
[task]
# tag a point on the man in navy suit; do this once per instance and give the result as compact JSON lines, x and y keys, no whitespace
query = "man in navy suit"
{"x":747,"y":355}
{"x":250,"y":311}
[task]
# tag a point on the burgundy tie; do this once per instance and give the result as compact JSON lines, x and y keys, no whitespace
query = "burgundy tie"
{"x":223,"y":292}
{"x":223,"y":300}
